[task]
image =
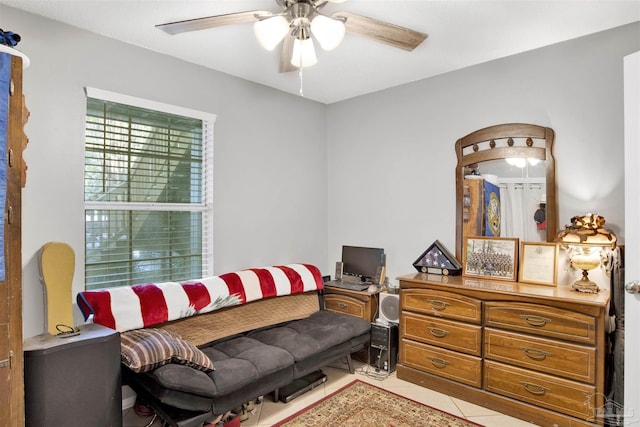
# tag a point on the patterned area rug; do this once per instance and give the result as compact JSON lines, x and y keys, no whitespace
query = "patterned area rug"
{"x":359,"y":404}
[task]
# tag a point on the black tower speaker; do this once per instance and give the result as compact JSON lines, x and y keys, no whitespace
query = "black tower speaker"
{"x":383,"y":350}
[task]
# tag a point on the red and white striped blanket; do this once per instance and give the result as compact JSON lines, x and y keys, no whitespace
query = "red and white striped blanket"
{"x":140,"y":306}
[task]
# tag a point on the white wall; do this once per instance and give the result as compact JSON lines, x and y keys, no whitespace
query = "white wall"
{"x":384,"y":162}
{"x":391,"y":153}
{"x":270,"y":186}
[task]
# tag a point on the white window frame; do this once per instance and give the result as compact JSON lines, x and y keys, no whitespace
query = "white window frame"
{"x":206,"y":207}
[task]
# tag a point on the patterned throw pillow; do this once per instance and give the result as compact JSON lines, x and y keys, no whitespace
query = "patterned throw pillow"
{"x":143,"y":350}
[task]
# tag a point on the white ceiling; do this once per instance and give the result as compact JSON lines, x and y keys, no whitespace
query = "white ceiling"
{"x":461,"y":33}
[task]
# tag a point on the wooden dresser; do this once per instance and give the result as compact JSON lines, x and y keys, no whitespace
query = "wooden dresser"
{"x":533,"y":352}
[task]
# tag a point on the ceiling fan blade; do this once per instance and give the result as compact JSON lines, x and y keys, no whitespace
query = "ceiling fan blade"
{"x":211,"y":21}
{"x":287,"y":54}
{"x":393,"y":35}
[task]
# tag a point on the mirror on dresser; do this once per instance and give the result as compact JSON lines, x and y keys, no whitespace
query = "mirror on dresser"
{"x":505,"y":184}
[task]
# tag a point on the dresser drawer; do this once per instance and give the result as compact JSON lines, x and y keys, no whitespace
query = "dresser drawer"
{"x":541,"y":320}
{"x":346,"y":305}
{"x":444,"y":363}
{"x":565,"y":396}
{"x":442,"y":304}
{"x":571,"y":361}
{"x":444,"y":333}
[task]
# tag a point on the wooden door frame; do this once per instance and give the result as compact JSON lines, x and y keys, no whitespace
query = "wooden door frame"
{"x":13,"y":413}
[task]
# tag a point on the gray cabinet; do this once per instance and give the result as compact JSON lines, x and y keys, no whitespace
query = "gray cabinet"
{"x":73,"y":381}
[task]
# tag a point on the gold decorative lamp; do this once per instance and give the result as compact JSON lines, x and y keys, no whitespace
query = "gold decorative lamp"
{"x":586,"y":236}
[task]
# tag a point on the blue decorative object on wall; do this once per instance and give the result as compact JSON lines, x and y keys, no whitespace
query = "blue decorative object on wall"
{"x":5,"y":81}
{"x":9,"y":38}
{"x":491,"y":209}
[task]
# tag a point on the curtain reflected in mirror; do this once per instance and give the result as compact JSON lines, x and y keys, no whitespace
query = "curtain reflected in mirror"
{"x":522,"y":205}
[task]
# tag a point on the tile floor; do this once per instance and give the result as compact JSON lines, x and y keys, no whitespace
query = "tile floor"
{"x":269,"y":412}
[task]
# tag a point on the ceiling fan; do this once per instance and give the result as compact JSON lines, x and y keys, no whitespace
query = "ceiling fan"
{"x":294,"y":25}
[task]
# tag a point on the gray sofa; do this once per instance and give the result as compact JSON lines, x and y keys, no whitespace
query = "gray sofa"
{"x":248,"y":366}
{"x":257,"y":348}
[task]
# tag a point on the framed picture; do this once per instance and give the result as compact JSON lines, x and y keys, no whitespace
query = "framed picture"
{"x":438,"y":260}
{"x":490,"y":257}
{"x":539,"y":263}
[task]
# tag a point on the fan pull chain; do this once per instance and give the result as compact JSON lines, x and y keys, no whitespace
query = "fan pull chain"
{"x":301,"y":92}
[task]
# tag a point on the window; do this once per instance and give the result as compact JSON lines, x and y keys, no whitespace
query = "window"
{"x":148,"y":191}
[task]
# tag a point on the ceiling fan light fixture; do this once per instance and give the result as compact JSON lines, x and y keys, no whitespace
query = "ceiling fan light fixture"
{"x":295,"y":21}
{"x":304,"y":54}
{"x":271,"y":31}
{"x":328,"y":31}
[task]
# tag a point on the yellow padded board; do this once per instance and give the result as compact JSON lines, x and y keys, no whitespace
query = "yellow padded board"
{"x":57,"y":262}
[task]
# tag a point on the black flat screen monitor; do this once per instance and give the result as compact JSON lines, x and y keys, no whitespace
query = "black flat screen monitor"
{"x":361,"y":262}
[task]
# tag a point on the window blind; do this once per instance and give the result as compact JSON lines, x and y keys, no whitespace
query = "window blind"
{"x":147,"y":195}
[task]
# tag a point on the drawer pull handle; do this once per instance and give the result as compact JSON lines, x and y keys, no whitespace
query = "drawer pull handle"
{"x":535,"y":354}
{"x":438,"y":305}
{"x":438,"y":363}
{"x":341,"y":305}
{"x":536,"y":389}
{"x":535,"y":320}
{"x":438,"y":333}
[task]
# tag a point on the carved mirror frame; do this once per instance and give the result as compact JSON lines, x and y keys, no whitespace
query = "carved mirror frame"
{"x":501,"y":142}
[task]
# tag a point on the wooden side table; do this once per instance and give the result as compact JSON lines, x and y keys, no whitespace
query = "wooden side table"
{"x":363,"y":304}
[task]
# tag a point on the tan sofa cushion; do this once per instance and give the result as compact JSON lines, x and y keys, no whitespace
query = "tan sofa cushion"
{"x":205,"y":328}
